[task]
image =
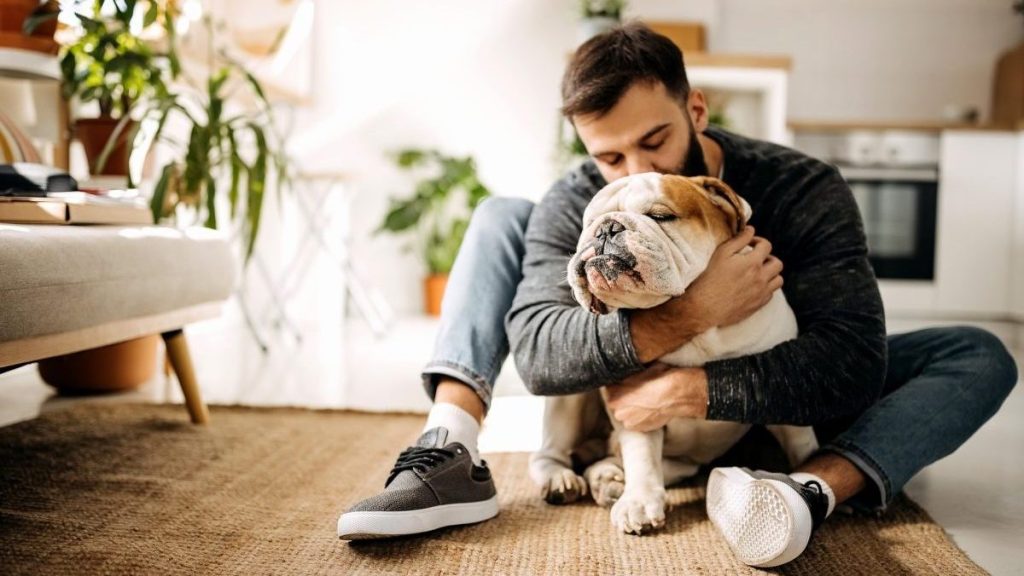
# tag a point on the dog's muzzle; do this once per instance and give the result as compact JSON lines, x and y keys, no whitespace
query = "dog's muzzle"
{"x":609,"y":256}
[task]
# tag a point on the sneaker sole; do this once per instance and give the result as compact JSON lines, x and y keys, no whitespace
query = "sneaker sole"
{"x":372,"y":525}
{"x":764,"y":521}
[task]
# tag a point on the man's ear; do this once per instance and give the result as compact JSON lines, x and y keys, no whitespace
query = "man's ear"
{"x":723,"y":196}
{"x":697,"y":108}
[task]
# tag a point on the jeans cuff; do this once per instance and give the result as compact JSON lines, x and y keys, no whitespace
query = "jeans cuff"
{"x":459,"y":372}
{"x":865,"y":501}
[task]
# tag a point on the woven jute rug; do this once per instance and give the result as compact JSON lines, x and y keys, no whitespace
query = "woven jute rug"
{"x":136,"y":489}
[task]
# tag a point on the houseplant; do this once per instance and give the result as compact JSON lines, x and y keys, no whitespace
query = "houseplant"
{"x":598,"y":16}
{"x":229,"y":152}
{"x":438,"y":212}
{"x":29,"y":24}
{"x":109,"y":63}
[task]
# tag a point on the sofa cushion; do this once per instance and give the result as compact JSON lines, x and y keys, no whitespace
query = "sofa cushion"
{"x":55,"y":279}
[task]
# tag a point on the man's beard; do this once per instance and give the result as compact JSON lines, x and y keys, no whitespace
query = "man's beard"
{"x":693,"y":163}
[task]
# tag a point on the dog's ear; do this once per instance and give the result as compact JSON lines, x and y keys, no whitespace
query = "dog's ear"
{"x":723,"y":196}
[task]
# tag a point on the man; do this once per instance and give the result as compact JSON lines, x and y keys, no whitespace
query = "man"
{"x":879,"y":423}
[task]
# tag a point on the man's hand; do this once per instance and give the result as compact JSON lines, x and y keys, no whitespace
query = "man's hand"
{"x":736,"y":283}
{"x":648,"y":400}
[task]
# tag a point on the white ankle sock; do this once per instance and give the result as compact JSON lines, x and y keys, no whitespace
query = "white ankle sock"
{"x":462,"y":426}
{"x":803,"y":477}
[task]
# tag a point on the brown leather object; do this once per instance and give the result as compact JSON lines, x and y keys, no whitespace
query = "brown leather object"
{"x":1008,"y":89}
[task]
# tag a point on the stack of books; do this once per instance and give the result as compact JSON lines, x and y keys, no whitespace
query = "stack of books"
{"x":74,"y":208}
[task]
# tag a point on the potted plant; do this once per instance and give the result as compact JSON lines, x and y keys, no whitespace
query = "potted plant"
{"x":110,"y":63}
{"x":227,"y":158}
{"x":438,"y":212}
{"x":598,"y":16}
{"x":29,"y":24}
{"x":232,"y":154}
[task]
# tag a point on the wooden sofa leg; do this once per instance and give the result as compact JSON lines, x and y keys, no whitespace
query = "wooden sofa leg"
{"x":177,"y":353}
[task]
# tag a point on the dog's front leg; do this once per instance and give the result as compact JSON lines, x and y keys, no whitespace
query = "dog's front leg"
{"x":642,"y":504}
{"x":551,"y":466}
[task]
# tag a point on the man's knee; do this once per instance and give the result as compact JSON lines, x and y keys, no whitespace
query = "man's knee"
{"x":499,"y":213}
{"x":990,"y":361}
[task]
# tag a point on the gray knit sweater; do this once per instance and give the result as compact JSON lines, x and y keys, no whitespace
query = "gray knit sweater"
{"x":836,"y":366}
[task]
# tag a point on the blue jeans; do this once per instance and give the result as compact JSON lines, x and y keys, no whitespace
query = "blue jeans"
{"x":942,"y":384}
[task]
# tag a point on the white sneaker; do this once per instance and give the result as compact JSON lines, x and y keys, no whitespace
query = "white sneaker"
{"x":766,"y":518}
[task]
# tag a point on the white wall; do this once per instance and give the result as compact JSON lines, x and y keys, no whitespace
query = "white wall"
{"x":876,"y":59}
{"x":464,"y":76}
{"x":481,"y":78}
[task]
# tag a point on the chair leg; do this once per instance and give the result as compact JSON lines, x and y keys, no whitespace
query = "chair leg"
{"x":177,"y":353}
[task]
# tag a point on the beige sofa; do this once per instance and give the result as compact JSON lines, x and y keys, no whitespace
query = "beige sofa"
{"x":69,"y":288}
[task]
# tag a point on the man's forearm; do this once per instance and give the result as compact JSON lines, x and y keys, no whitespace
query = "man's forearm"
{"x":664,"y":328}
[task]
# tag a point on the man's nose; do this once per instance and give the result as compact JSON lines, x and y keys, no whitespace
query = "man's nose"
{"x":639,"y":166}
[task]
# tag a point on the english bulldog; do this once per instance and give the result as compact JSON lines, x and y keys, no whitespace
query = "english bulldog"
{"x":645,"y":239}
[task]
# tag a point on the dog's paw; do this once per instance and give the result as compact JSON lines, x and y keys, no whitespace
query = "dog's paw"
{"x":606,"y":481}
{"x":563,"y":487}
{"x":639,"y":510}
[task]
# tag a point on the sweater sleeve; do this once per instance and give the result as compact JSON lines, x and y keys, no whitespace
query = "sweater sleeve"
{"x":559,"y":347}
{"x":836,"y":366}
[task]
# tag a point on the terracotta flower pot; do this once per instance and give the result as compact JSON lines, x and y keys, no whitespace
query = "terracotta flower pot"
{"x":433,"y":292}
{"x":94,"y":133}
{"x":12,"y":17}
{"x":118,"y":367}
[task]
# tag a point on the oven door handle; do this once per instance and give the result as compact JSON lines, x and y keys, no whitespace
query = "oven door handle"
{"x":851,"y":173}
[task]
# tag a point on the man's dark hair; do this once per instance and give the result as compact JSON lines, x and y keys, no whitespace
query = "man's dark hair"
{"x":604,"y":67}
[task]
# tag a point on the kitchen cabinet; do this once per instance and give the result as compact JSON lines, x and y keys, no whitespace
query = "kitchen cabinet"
{"x":979,"y":268}
{"x":977,"y":194}
{"x":750,"y":91}
{"x":978,"y":275}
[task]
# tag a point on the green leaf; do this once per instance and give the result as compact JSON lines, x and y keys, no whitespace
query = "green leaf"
{"x":36,"y":18}
{"x":409,"y":158}
{"x":403,"y":215}
{"x":71,"y":79}
{"x":156,"y":203}
{"x":477,"y":193}
{"x":237,"y":166}
{"x":211,"y":202}
{"x":195,"y":161}
{"x":257,"y":185}
{"x":151,"y":14}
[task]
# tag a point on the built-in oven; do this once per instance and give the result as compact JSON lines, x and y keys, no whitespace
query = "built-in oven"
{"x":894,"y":176}
{"x":899,"y":208}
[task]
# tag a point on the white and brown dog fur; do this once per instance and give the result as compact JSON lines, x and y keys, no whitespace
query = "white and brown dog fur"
{"x":645,"y":239}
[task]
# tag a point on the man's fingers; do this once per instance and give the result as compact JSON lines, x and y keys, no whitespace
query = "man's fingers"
{"x":740,"y":241}
{"x":772,"y":267}
{"x":762,"y":248}
{"x":775,"y":283}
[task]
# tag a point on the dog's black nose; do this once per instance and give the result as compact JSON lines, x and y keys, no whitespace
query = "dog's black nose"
{"x":609,"y":229}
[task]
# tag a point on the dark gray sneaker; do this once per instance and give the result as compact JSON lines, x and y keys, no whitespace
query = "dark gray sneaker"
{"x":432,"y":485}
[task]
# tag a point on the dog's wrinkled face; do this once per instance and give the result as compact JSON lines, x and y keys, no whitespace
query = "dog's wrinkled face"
{"x":647,"y":237}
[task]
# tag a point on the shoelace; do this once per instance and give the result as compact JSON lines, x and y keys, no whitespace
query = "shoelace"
{"x":819,"y":506}
{"x":418,"y":458}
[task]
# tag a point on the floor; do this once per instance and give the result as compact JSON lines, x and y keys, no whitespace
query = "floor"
{"x":972,"y":493}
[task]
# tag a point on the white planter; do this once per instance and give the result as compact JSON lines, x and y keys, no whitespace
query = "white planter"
{"x":590,"y":27}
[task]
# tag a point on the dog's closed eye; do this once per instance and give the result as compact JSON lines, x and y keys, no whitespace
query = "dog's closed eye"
{"x":661,"y":216}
